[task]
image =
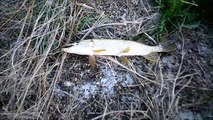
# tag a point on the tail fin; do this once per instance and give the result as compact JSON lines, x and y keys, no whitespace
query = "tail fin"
{"x":167,"y":46}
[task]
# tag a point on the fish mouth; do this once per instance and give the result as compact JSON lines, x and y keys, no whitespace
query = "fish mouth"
{"x":70,"y":45}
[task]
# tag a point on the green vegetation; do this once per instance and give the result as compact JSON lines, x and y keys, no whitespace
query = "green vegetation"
{"x":180,"y":13}
{"x":174,"y":13}
{"x":86,"y":20}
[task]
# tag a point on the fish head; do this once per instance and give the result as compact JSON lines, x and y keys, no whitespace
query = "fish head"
{"x":79,"y":48}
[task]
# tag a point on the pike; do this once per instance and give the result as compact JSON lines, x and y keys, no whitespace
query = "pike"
{"x":117,"y":47}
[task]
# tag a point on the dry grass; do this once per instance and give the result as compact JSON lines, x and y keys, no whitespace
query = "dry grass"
{"x":34,"y":69}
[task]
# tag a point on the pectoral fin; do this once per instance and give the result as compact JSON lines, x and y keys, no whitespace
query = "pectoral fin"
{"x":92,"y":61}
{"x":153,"y":56}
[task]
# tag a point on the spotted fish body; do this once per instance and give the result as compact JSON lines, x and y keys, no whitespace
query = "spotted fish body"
{"x":112,"y":47}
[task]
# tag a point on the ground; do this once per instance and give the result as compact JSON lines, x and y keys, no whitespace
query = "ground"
{"x":39,"y":81}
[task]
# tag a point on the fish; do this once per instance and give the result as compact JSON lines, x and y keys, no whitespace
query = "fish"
{"x":118,"y":47}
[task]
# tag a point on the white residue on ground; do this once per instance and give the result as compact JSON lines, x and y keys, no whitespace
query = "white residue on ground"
{"x":109,"y":81}
{"x":106,"y":85}
{"x":128,"y":80}
{"x":188,"y":115}
{"x":86,"y":90}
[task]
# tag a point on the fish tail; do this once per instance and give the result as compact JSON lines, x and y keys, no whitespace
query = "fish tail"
{"x":167,"y":46}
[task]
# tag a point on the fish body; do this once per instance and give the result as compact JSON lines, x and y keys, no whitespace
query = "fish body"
{"x":112,"y":47}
